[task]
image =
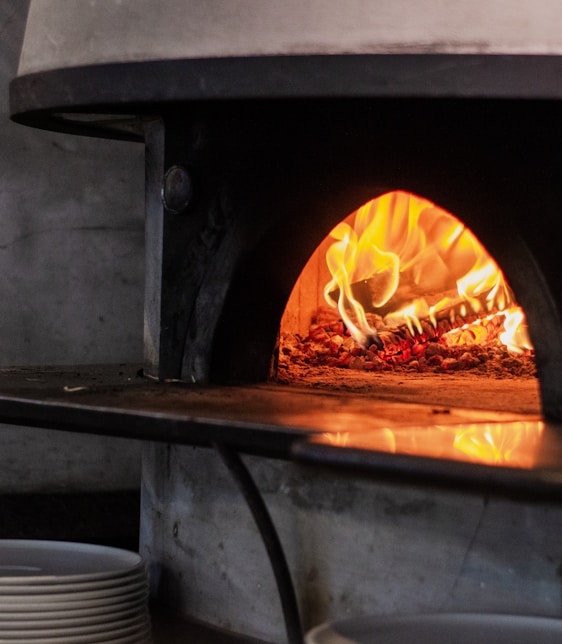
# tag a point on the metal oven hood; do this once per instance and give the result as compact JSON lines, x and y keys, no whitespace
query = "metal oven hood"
{"x":60,"y":34}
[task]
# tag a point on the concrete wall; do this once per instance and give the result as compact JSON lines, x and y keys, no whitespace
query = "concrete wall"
{"x":109,"y":30}
{"x":354,"y":546}
{"x":71,"y":277}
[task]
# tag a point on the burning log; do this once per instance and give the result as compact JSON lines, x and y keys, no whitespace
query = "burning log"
{"x":446,"y":303}
{"x":444,"y":312}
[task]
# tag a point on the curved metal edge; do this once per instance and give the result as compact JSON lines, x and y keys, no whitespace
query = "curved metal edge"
{"x":249,"y":490}
{"x":534,"y":484}
{"x":38,"y":99}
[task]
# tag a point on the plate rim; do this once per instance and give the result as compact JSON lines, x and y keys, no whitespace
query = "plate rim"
{"x":126,"y":561}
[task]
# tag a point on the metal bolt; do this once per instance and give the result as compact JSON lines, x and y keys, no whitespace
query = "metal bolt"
{"x":177,"y":189}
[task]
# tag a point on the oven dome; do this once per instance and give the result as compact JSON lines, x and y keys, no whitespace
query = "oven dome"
{"x":61,"y":34}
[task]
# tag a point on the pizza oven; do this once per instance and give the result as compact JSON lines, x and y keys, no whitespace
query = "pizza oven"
{"x":265,"y":126}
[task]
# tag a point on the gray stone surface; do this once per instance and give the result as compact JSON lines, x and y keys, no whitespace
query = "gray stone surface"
{"x":72,"y":237}
{"x":38,"y":460}
{"x":354,"y":546}
{"x":71,"y":277}
{"x":90,"y":31}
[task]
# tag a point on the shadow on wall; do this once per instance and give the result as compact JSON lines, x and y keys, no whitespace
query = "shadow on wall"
{"x":72,"y":237}
{"x":71,"y":279}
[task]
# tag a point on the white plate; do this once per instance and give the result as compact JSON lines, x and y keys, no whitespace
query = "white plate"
{"x":24,"y":561}
{"x":69,"y":597}
{"x":66,"y":631}
{"x":138,"y":576}
{"x":440,"y":629}
{"x":69,"y":621}
{"x":76,"y":613}
{"x":136,"y":598}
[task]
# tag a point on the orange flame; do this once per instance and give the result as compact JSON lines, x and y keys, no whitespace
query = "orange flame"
{"x":496,"y":444}
{"x":407,"y":260}
{"x":503,"y":444}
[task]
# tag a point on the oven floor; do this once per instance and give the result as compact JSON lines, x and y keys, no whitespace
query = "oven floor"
{"x":117,"y":400}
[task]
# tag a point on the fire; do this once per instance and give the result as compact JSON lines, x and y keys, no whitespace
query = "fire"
{"x":503,"y":444}
{"x":496,"y":444}
{"x":400,"y":260}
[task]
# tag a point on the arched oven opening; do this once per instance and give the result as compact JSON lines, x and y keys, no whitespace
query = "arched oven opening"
{"x":401,"y":286}
{"x":306,"y":175}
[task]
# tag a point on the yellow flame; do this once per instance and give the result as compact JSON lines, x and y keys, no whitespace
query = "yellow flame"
{"x":504,"y":444}
{"x":515,"y":335}
{"x":493,"y":445}
{"x":408,"y":260}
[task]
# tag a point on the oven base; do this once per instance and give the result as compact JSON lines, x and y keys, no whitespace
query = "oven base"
{"x":354,"y":546}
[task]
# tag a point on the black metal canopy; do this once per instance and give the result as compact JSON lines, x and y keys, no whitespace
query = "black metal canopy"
{"x":116,"y":95}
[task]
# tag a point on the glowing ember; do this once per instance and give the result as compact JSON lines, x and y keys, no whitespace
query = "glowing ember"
{"x":403,"y":259}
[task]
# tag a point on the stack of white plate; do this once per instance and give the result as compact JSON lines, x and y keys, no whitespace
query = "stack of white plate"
{"x":53,"y":592}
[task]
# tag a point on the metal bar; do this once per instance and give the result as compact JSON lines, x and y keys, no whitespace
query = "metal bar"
{"x":249,"y":490}
{"x":154,"y":245}
{"x":47,"y":99}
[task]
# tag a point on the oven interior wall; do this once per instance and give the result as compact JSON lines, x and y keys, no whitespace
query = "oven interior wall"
{"x":272,"y":178}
